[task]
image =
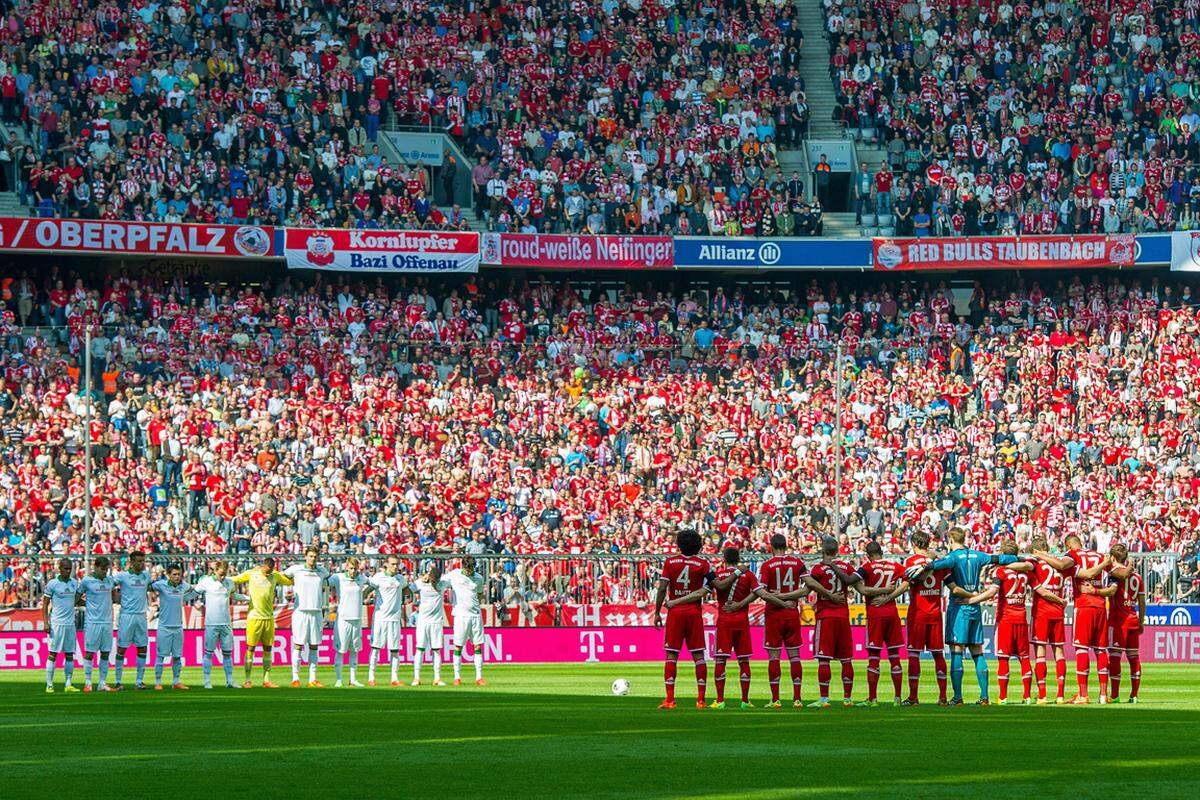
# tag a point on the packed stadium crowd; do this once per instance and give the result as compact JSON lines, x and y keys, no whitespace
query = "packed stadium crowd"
{"x":628,"y":116}
{"x":500,"y":415}
{"x":1024,"y":117}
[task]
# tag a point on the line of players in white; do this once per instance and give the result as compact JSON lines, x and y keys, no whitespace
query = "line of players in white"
{"x":387,"y":589}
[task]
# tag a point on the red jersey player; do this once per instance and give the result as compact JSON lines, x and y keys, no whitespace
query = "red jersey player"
{"x":1010,"y":587}
{"x":832,"y":638}
{"x":735,"y":587}
{"x":924,"y":622}
{"x":1085,"y":568}
{"x":877,"y":580}
{"x":1126,"y":619}
{"x":1049,"y":607}
{"x":683,"y":576}
{"x":780,"y":575}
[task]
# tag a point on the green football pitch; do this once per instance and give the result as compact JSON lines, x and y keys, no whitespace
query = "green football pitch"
{"x":542,"y":731}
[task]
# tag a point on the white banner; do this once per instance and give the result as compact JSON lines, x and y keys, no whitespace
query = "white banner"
{"x":1185,"y":251}
{"x":381,"y":251}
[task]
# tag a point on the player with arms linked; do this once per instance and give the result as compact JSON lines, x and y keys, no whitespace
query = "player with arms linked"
{"x":682,"y":576}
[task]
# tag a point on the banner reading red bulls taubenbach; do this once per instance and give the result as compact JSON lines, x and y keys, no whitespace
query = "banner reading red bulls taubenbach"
{"x":381,"y":251}
{"x":1005,"y":252}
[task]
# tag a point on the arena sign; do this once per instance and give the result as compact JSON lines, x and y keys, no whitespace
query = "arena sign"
{"x":568,"y":251}
{"x":381,"y":251}
{"x":136,"y":238}
{"x":1005,"y":252}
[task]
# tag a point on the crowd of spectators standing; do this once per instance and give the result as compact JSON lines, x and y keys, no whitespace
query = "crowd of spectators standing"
{"x":1003,"y":117}
{"x":551,"y":416}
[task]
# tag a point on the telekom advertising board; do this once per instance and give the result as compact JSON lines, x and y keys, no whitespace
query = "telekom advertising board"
{"x":27,"y":649}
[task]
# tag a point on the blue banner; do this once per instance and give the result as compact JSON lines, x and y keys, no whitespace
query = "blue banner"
{"x":716,"y":252}
{"x":1176,"y":616}
{"x":1153,"y":248}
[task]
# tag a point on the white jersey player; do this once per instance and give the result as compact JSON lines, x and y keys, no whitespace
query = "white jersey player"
{"x":97,"y":590}
{"x":388,"y":588}
{"x":217,"y":590}
{"x":171,"y":594}
{"x":431,"y":622}
{"x":308,"y":580}
{"x":468,"y":587}
{"x":133,"y":584}
{"x":347,"y":634}
{"x":58,"y":617}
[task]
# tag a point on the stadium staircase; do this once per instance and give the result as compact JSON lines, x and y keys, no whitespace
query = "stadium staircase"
{"x":10,"y":202}
{"x":388,"y":148}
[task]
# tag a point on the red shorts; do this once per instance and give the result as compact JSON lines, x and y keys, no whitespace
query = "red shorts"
{"x":733,"y":639}
{"x":1091,"y":627}
{"x":782,"y":630}
{"x":684,"y":628}
{"x":1123,"y":634}
{"x":884,"y":632}
{"x":831,"y":638}
{"x":1012,"y":638}
{"x":925,"y":633}
{"x":1048,"y":630}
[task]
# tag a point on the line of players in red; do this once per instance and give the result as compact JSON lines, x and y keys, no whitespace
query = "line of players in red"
{"x":1108,"y":594}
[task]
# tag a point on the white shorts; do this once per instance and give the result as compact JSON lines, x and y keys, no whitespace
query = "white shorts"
{"x":170,"y":642}
{"x":468,"y":629}
{"x":306,"y":628}
{"x":97,"y":637}
{"x":131,"y":631}
{"x":385,"y":634}
{"x":430,"y":635}
{"x":62,"y":639}
{"x":347,"y":636}
{"x":219,"y":636}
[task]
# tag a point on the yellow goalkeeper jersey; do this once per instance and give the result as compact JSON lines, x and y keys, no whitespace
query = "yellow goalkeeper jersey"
{"x":262,"y":591}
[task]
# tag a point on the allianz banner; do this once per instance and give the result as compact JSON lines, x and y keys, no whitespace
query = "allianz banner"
{"x":1005,"y":252}
{"x":577,"y":251}
{"x":381,"y":251}
{"x":744,"y":253}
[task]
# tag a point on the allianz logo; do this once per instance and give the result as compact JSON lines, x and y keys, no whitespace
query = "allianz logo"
{"x":1177,"y":617}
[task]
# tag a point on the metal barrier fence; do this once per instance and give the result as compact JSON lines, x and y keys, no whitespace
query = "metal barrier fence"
{"x":593,"y":578}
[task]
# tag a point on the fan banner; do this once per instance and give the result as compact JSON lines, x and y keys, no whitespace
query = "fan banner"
{"x":570,"y":251}
{"x":1185,"y":251}
{"x":1005,"y":252}
{"x":356,"y":250}
{"x":136,"y":238}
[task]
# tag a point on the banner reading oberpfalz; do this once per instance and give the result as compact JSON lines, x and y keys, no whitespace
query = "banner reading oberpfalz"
{"x":578,"y":251}
{"x":1005,"y":252}
{"x":136,"y":238}
{"x":381,"y":251}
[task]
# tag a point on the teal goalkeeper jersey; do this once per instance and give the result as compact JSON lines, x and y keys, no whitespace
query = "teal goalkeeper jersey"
{"x":966,"y":568}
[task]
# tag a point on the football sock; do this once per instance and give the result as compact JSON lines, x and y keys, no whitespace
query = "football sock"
{"x":719,"y":677}
{"x":1102,"y":670}
{"x":227,"y":663}
{"x":956,"y":674}
{"x":872,"y":674}
{"x":1082,"y":670}
{"x":337,"y":668}
{"x":437,"y":665}
{"x":87,"y":670}
{"x":104,"y":668}
{"x":312,"y":670}
{"x":1060,"y":673}
{"x":158,"y":668}
{"x":248,"y":665}
{"x":1135,"y":674}
{"x":897,"y":673}
{"x":1114,"y":675}
{"x":939,"y":663}
{"x":396,"y":666}
{"x":1026,"y":678}
{"x":176,"y":669}
{"x":1040,"y":672}
{"x":773,"y":675}
{"x":797,"y":670}
{"x":120,"y":672}
{"x":457,"y":664}
{"x":1002,"y":677}
{"x":141,"y":668}
{"x":68,"y":667}
{"x":669,"y":669}
{"x":420,"y":656}
{"x":981,"y":675}
{"x":374,"y":659}
{"x":914,"y":676}
{"x":207,"y":667}
{"x":744,"y":677}
{"x":847,"y":678}
{"x":353,"y":668}
{"x":478,"y":665}
{"x":701,"y":678}
{"x":296,"y":664}
{"x":824,"y":676}
{"x":50,"y":669}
